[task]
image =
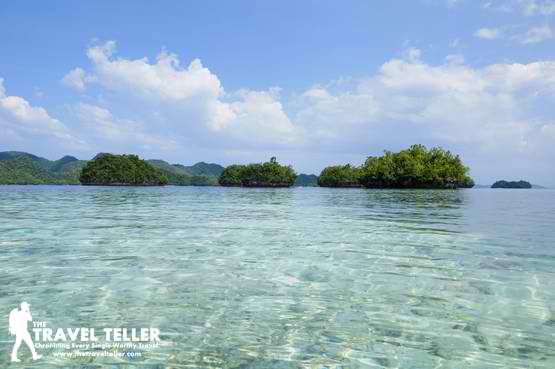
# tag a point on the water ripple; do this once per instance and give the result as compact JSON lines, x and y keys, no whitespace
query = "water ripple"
{"x":288,"y":278}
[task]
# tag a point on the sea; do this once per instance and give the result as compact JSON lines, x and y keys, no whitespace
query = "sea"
{"x":280,"y":278}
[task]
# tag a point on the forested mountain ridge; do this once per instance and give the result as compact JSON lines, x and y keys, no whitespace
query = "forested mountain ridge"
{"x":17,"y":167}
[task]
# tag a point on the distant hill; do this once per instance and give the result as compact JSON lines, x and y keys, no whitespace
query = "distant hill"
{"x":200,"y":174}
{"x":65,"y":163}
{"x":23,"y":168}
{"x":203,"y":169}
{"x":18,"y":167}
{"x":306,"y":180}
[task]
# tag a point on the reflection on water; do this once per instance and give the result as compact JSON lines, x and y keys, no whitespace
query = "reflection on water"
{"x":288,"y":278}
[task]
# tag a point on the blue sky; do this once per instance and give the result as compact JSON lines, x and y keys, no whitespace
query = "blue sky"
{"x":311,"y":82}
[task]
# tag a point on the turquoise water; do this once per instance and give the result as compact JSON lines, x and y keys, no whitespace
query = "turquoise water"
{"x":287,"y":278}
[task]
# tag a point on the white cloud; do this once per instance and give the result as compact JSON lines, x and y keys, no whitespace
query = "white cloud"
{"x":165,"y":79}
{"x":99,"y":123}
{"x":493,"y":113}
{"x":537,"y":7}
{"x":77,"y":79}
{"x":532,"y":36}
{"x":489,"y":114}
{"x":330,"y":117}
{"x":260,"y":114}
{"x":535,"y":35}
{"x":20,"y":120}
{"x":454,"y":59}
{"x":529,"y":8}
{"x":414,"y":54}
{"x":190,"y":99}
{"x":488,"y":33}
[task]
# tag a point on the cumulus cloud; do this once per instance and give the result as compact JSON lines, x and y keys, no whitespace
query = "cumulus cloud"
{"x":99,"y":123}
{"x":259,"y":112}
{"x":495,"y":112}
{"x":77,"y":79}
{"x":194,"y":90}
{"x":535,"y":35}
{"x":189,"y":99}
{"x":492,"y":111}
{"x":331,"y":117}
{"x":488,"y":33}
{"x":20,"y":120}
{"x":164,"y":79}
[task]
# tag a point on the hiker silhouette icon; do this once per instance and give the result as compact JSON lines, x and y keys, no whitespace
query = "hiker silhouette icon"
{"x":18,"y":327}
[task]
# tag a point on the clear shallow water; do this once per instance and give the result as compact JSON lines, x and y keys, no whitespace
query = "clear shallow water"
{"x":287,"y":278}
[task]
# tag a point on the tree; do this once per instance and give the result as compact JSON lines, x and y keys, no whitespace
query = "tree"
{"x":340,"y":176}
{"x":416,"y":167}
{"x":121,"y":170}
{"x":232,"y":176}
{"x":269,"y":174}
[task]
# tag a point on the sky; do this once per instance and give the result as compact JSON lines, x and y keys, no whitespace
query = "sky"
{"x":314,"y":83}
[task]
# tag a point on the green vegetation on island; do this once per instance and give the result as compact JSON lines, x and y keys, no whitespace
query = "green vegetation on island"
{"x":232,"y":176}
{"x":203,"y":169}
{"x":416,"y":167}
{"x":200,"y":174}
{"x":340,"y":176}
{"x":23,"y":169}
{"x":269,"y":174}
{"x":512,"y":184}
{"x":306,"y":180}
{"x":26,"y":169}
{"x":121,"y":170}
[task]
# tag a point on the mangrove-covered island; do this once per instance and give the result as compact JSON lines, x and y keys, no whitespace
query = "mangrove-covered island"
{"x":415,"y":167}
{"x":512,"y":184}
{"x":344,"y":176}
{"x":121,"y":170}
{"x":269,"y":174}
